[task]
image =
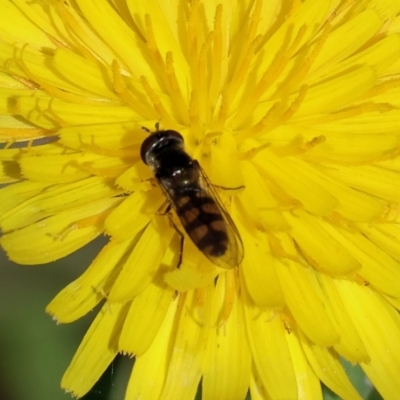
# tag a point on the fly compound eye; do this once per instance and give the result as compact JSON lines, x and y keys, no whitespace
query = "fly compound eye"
{"x":174,"y":135}
{"x":157,"y":140}
{"x":147,"y":145}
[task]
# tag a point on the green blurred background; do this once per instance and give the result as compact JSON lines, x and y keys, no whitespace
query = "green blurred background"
{"x":35,"y":351}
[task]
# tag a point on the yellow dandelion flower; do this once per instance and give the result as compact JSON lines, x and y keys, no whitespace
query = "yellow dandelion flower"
{"x":292,"y":110}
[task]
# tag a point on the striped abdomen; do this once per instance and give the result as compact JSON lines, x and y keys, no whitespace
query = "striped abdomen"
{"x":203,"y":222}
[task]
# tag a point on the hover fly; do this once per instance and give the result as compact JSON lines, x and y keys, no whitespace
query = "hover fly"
{"x":193,"y":198}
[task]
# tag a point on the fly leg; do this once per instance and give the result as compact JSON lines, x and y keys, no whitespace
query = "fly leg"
{"x":181,"y":238}
{"x":211,"y":184}
{"x":167,"y":211}
{"x":229,"y":188}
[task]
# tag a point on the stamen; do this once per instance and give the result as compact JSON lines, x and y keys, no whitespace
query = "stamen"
{"x":302,"y":71}
{"x":297,"y":40}
{"x":120,"y":87}
{"x":223,"y":111}
{"x":200,"y":297}
{"x":167,"y":120}
{"x":44,"y":105}
{"x":76,"y":32}
{"x":202,"y":81}
{"x":9,"y":136}
{"x":27,"y":82}
{"x":248,"y":50}
{"x":351,"y":113}
{"x":210,"y":138}
{"x":294,"y":7}
{"x":276,"y":116}
{"x":194,"y":34}
{"x":383,"y":87}
{"x":94,"y":220}
{"x":48,"y":113}
{"x":298,"y":146}
{"x":216,"y":59}
{"x":106,"y":172}
{"x":343,"y":10}
{"x":158,"y":64}
{"x":250,"y":36}
{"x":251,"y":153}
{"x":268,"y":78}
{"x":176,"y":95}
{"x":267,"y":123}
{"x":242,"y":71}
{"x":195,"y":128}
{"x":152,"y":45}
{"x":277,"y":247}
{"x":295,"y":104}
{"x":230,"y":294}
{"x":391,"y":213}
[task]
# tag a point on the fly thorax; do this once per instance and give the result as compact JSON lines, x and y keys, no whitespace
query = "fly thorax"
{"x":184,"y":177}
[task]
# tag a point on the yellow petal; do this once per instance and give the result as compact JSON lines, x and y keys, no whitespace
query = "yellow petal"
{"x":48,"y":112}
{"x":46,"y":20}
{"x":109,"y":26}
{"x":148,"y":377}
{"x":267,"y":339}
{"x":369,"y":179}
{"x":299,"y":180}
{"x":58,"y":168}
{"x":56,"y":236}
{"x":378,"y":268}
{"x":33,"y":64}
{"x":143,"y":262}
{"x":378,"y":325}
{"x":186,"y":360}
{"x":337,"y":92}
{"x":343,"y":42}
{"x":9,"y":82}
{"x":37,"y":201}
{"x":382,"y":56}
{"x":226,"y":369}
{"x":372,"y":122}
{"x":16,"y":194}
{"x":327,"y":367}
{"x":385,"y":236}
{"x":86,"y":75}
{"x":387,"y":9}
{"x":194,"y":272}
{"x":130,"y":217}
{"x":145,"y":317}
{"x":9,"y":172}
{"x":96,"y":351}
{"x":134,"y":179}
{"x":25,"y":30}
{"x":163,"y":31}
{"x":258,"y":201}
{"x":294,"y":32}
{"x":302,"y":295}
{"x":84,"y":293}
{"x":225,"y":167}
{"x":350,"y":344}
{"x":321,"y":250}
{"x":111,"y":136}
{"x":258,"y":268}
{"x":7,"y":93}
{"x":352,"y":149}
{"x":308,"y":383}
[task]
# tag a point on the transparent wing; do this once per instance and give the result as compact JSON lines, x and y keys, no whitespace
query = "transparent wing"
{"x":207,"y":222}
